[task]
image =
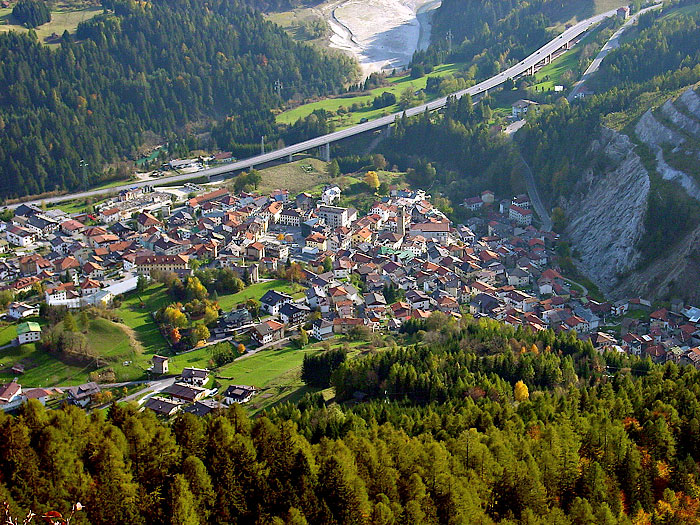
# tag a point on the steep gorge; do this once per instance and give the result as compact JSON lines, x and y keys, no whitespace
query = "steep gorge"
{"x":608,"y":209}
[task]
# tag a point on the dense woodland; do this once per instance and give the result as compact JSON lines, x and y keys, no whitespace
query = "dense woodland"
{"x":493,"y":34}
{"x":663,"y":59}
{"x":470,"y":423}
{"x":160,"y":66}
{"x":32,"y":13}
{"x":455,"y":151}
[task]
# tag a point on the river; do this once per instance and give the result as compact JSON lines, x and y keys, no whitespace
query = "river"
{"x":381,"y":34}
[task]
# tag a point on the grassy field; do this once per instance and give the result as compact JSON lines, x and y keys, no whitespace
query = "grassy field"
{"x":292,"y":177}
{"x":397,"y":85}
{"x":138,"y":317}
{"x":7,"y":334}
{"x":61,"y":20}
{"x":277,"y":373}
{"x":687,"y":10}
{"x":41,"y":368}
{"x":573,"y":12}
{"x":551,"y":74}
{"x":109,"y":340}
{"x":256,"y":291}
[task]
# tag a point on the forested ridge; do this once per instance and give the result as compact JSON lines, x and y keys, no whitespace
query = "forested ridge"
{"x":159,"y":66}
{"x":664,"y":58}
{"x":472,"y":422}
{"x":489,"y":33}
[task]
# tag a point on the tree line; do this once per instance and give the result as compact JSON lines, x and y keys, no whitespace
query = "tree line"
{"x":664,"y":58}
{"x":157,"y":67}
{"x":524,"y":427}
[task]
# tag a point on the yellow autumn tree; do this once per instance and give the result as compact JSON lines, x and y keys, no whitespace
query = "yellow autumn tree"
{"x":520,"y":391}
{"x":372,"y":180}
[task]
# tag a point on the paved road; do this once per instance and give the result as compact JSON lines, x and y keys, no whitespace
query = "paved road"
{"x":535,"y":196}
{"x":153,"y":388}
{"x":610,"y":45}
{"x":521,"y":67}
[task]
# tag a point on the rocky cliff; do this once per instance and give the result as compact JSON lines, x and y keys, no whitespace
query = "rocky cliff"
{"x":607,"y":211}
{"x":603,"y":227}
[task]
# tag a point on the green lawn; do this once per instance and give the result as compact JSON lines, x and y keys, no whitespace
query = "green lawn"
{"x":145,"y":330}
{"x":687,"y":10}
{"x":41,"y":368}
{"x":292,"y":177}
{"x":109,"y":340}
{"x":256,"y":291}
{"x":397,"y":85}
{"x":277,"y":373}
{"x":551,"y":74}
{"x":7,"y":334}
{"x":61,"y":20}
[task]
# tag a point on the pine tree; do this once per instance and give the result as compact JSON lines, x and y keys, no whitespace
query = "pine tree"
{"x":69,"y":323}
{"x":184,"y":508}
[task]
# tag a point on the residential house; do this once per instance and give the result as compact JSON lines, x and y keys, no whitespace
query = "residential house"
{"x":162,"y":406}
{"x":204,"y":407}
{"x":82,"y":395}
{"x":235,"y":319}
{"x":521,"y":107}
{"x":145,"y":220}
{"x":334,"y":216}
{"x":520,"y":215}
{"x":239,"y":394}
{"x":418,"y":300}
{"x":195,"y":376}
{"x":186,"y":392}
{"x":20,"y":310}
{"x":294,"y":313}
{"x":273,"y":300}
{"x":19,"y":236}
{"x":322,"y":329}
{"x":159,"y":364}
{"x":267,"y":332}
{"x":28,"y":332}
{"x":10,"y":396}
{"x":255,"y":251}
{"x":316,"y":240}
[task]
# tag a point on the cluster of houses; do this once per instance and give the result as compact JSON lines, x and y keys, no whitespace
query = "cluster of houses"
{"x":403,"y":259}
{"x":190,"y":394}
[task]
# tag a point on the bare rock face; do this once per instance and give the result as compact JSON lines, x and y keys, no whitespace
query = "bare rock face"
{"x":606,"y":220}
{"x":676,"y":274}
{"x":691,"y":101}
{"x":656,"y":135}
{"x":684,"y":122}
{"x":653,"y":133}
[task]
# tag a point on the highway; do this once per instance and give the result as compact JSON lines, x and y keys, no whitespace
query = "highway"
{"x":610,"y":45}
{"x":524,"y":66}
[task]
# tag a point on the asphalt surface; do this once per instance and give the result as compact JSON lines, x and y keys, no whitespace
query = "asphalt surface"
{"x":610,"y":45}
{"x":531,"y":61}
{"x":535,"y":196}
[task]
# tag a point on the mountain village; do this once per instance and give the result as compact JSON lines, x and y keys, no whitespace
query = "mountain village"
{"x":360,"y":273}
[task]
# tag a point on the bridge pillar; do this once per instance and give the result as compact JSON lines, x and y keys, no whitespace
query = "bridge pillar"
{"x":568,"y":45}
{"x":326,"y":152}
{"x":387,"y":131}
{"x":547,"y":59}
{"x":290,"y":157}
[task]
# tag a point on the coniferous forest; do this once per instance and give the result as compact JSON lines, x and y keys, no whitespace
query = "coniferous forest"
{"x":471,"y":422}
{"x":159,"y":66}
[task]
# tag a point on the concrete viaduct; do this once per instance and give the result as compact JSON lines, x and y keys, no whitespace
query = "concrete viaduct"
{"x":526,"y":66}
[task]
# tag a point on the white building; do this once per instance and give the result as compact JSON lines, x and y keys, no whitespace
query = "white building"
{"x":29,"y":332}
{"x":330,"y":195}
{"x":20,"y":236}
